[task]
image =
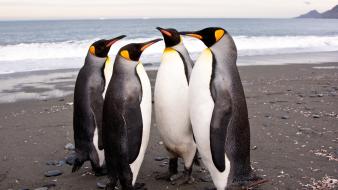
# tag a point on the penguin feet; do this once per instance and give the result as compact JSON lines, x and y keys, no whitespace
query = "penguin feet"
{"x":188,"y":179}
{"x":209,"y":188}
{"x":140,"y":186}
{"x":110,"y":186}
{"x":166,"y":176}
{"x":100,"y":172}
{"x":77,"y":165}
{"x":252,"y":177}
{"x":247,"y":182}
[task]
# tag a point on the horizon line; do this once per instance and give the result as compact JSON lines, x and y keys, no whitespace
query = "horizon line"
{"x":136,"y":18}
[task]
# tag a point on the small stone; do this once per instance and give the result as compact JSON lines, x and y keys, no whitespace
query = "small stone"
{"x":50,"y":185}
{"x":320,"y":95}
{"x":69,"y":146}
{"x":101,"y":185}
{"x":254,"y":147}
{"x":308,"y":108}
{"x":61,"y":100}
{"x":70,"y":159}
{"x":53,"y":173}
{"x":61,"y":163}
{"x":205,"y":178}
{"x":51,"y":162}
{"x":161,"y":142}
{"x":268,"y":115}
{"x":69,"y":103}
{"x":160,"y":158}
{"x":315,"y":116}
{"x":285,"y":117}
{"x":41,"y":188}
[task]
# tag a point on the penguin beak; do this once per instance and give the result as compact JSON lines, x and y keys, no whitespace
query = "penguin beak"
{"x":113,"y":40}
{"x":145,"y":45}
{"x":164,"y":32}
{"x":192,"y":34}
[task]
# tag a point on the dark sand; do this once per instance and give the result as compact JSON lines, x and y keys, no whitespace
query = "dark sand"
{"x":294,"y":131}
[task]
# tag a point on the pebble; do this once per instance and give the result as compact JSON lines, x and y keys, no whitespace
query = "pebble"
{"x":315,"y":116}
{"x":70,"y":159}
{"x":101,"y":185}
{"x":69,"y":103}
{"x":160,"y":158}
{"x":285,"y":117}
{"x":49,"y":185}
{"x":41,"y":188}
{"x":268,"y":115}
{"x":61,"y":163}
{"x":206,"y":178}
{"x":52,"y":173}
{"x":254,"y":147}
{"x":52,"y":162}
{"x":308,"y":108}
{"x":69,"y":146}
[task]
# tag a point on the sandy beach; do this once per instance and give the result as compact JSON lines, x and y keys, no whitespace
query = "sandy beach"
{"x":292,"y":111}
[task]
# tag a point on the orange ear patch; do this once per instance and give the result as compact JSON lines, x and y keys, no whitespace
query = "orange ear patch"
{"x":92,"y":50}
{"x":219,"y":34}
{"x":125,"y":54}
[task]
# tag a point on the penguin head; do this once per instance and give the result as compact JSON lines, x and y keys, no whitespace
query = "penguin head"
{"x":209,"y":36}
{"x":133,"y":51}
{"x":101,"y":48}
{"x":171,"y":36}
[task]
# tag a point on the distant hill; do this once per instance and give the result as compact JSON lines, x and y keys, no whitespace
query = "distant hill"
{"x":333,"y":14}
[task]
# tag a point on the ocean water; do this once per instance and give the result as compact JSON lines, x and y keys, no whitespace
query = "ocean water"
{"x":49,"y":45}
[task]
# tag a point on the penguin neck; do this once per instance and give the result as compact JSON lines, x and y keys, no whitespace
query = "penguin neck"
{"x":124,"y":66}
{"x":94,"y":61}
{"x":225,"y":50}
{"x":181,"y":48}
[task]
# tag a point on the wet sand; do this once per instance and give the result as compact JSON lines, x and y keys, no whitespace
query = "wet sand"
{"x":294,"y":132}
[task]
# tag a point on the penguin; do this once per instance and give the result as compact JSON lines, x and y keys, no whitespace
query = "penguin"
{"x":171,"y":97}
{"x":218,"y":111}
{"x":88,"y":106}
{"x":127,"y":116}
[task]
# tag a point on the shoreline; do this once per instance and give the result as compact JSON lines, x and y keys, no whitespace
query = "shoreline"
{"x":292,"y":112}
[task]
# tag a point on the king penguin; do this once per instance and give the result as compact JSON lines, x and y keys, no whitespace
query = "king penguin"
{"x":218,"y":110}
{"x":172,"y":104}
{"x":127,"y":116}
{"x":88,"y":106}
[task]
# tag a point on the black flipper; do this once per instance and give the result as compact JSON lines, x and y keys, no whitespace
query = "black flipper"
{"x":186,"y":69}
{"x":97,"y":110}
{"x":134,"y":130}
{"x":220,"y":120}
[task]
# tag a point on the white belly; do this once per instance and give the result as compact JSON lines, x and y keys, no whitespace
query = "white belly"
{"x":99,"y":152}
{"x":172,"y":106}
{"x":146,"y":117}
{"x":201,"y":108}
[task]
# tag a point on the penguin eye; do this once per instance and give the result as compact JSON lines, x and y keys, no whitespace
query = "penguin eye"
{"x":92,"y":50}
{"x":125,"y":54}
{"x":219,"y":34}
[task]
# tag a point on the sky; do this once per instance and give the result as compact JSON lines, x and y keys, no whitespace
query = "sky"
{"x":90,"y":9}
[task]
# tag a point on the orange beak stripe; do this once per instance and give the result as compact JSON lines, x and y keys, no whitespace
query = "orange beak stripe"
{"x":147,"y":45}
{"x":195,"y":36}
{"x":166,"y":33}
